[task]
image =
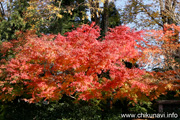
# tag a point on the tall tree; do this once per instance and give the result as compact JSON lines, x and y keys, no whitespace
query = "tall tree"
{"x":12,"y":18}
{"x":74,"y":14}
{"x":104,"y":14}
{"x":105,"y":17}
{"x":163,"y":51}
{"x":156,"y":14}
{"x":110,"y":17}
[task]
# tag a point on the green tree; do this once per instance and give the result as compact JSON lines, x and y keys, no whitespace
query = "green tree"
{"x":73,"y":14}
{"x":12,"y":18}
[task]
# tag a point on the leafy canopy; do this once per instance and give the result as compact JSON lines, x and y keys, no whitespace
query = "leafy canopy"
{"x":78,"y":65}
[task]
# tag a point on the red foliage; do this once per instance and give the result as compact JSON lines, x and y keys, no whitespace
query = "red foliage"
{"x":165,"y":55}
{"x":4,"y":47}
{"x":49,"y":66}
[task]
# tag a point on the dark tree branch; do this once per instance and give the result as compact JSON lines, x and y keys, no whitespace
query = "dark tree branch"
{"x":152,"y":16}
{"x":2,"y":9}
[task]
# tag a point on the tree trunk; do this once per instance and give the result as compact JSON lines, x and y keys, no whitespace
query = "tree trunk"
{"x":105,"y":18}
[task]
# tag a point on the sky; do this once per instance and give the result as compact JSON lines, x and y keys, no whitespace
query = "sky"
{"x":120,"y":4}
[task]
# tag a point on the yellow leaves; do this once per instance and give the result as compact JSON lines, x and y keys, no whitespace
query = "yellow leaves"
{"x":83,"y":18}
{"x":169,"y":86}
{"x":30,"y":7}
{"x":155,"y":14}
{"x":41,"y":9}
{"x":102,"y":1}
{"x":56,"y":9}
{"x":59,"y":15}
{"x":69,"y":11}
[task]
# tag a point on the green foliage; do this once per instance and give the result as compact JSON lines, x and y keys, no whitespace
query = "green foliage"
{"x":114,"y":16}
{"x":141,"y":107}
{"x":13,"y":19}
{"x":72,"y":17}
{"x":62,"y":110}
{"x":14,"y":24}
{"x":20,"y":6}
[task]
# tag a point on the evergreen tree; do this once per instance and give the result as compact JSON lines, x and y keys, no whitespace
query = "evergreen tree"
{"x":12,"y":20}
{"x":74,"y":14}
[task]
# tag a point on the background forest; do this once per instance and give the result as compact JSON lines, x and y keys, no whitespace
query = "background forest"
{"x":87,"y":59}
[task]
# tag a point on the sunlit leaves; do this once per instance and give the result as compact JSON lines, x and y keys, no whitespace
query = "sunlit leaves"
{"x":164,"y":57}
{"x":77,"y":65}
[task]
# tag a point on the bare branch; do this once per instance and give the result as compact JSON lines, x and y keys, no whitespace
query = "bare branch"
{"x":149,"y":14}
{"x":161,"y":5}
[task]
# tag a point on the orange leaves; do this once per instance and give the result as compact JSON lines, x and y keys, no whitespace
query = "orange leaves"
{"x":78,"y":64}
{"x":164,"y":53}
{"x":163,"y":48}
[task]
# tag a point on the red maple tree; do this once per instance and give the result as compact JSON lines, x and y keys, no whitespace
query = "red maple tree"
{"x":78,"y":65}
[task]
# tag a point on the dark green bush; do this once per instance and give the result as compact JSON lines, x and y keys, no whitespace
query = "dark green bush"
{"x":64,"y":109}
